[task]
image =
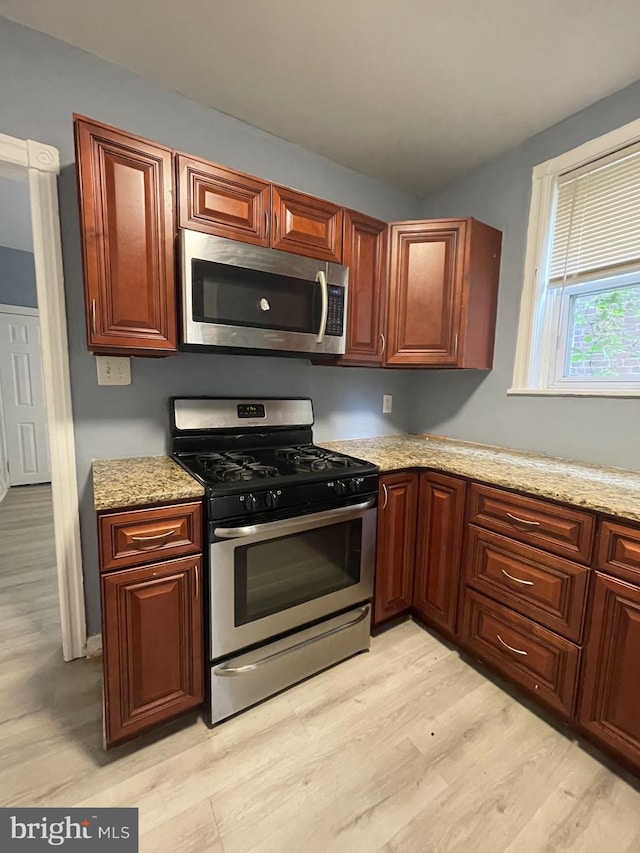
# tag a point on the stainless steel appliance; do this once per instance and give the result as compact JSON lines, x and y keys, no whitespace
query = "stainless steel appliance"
{"x":291,"y":541}
{"x":238,"y":295}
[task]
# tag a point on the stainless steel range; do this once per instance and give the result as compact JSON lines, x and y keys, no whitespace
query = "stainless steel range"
{"x":291,"y":535}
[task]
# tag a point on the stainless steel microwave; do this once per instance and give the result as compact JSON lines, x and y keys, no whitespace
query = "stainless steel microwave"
{"x":238,"y":295}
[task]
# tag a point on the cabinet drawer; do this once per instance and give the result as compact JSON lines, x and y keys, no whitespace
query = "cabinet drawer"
{"x":545,"y":664}
{"x":619,"y":551}
{"x":561,"y":530}
{"x":144,"y":535}
{"x":544,"y":587}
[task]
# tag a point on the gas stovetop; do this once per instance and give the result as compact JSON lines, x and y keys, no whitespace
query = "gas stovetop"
{"x":258,"y":456}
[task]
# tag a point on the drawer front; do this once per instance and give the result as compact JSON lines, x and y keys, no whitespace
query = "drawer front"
{"x":145,"y":535}
{"x":546,"y":588}
{"x":619,"y":551}
{"x":558,"y":529}
{"x":545,"y":664}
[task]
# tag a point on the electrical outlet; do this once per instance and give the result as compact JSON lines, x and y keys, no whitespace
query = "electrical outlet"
{"x":113,"y":371}
{"x":387,"y":404}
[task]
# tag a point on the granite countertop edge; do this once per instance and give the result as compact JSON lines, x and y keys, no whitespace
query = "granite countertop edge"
{"x":143,"y":481}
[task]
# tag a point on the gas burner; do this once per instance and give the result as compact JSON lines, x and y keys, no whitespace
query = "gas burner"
{"x":310,"y":458}
{"x":235,"y":467}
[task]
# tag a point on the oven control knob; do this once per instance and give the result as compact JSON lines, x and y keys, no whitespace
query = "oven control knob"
{"x":273,"y":499}
{"x":354,"y":485}
{"x":340,"y":487}
{"x":251,"y":503}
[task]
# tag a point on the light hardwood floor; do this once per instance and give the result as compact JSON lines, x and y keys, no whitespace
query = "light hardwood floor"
{"x":407,"y":748}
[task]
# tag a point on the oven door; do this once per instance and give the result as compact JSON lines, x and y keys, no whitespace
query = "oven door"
{"x":267,"y":579}
{"x":238,"y":295}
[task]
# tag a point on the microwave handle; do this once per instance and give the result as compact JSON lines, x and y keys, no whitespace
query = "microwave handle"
{"x":322,"y":278}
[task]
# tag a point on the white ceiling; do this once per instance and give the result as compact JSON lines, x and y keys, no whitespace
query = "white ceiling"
{"x":412,"y":92}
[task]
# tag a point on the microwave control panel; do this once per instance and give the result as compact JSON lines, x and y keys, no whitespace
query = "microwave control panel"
{"x":335,"y":312}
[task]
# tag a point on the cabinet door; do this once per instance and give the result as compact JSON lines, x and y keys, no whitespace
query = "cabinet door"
{"x":439,"y":533}
{"x":425,"y":292}
{"x":153,"y":653}
{"x":222,"y":201}
{"x":365,"y":253}
{"x":125,"y":188}
{"x":305,"y":225}
{"x":611,"y":686}
{"x":397,"y":507}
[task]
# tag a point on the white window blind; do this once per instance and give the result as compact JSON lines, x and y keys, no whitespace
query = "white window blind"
{"x":597,"y":221}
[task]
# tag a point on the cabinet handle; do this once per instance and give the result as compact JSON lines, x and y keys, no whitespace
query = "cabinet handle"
{"x":386,"y":496}
{"x":517,"y":580}
{"x":511,"y":649}
{"x":266,"y":225}
{"x":93,"y":316}
{"x":277,"y":234}
{"x":383,"y":344}
{"x":197,"y":583}
{"x":523,"y":520}
{"x":156,"y":537}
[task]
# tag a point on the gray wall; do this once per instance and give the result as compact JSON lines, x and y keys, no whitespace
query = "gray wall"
{"x":474,"y":405}
{"x":15,"y":213}
{"x":17,"y":278}
{"x":44,"y":82}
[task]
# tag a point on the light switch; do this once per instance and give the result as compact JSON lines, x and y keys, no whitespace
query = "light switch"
{"x":113,"y":371}
{"x":387,"y":404}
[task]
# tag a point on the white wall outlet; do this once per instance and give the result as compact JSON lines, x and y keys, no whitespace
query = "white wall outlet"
{"x":387,"y":404}
{"x":113,"y":371}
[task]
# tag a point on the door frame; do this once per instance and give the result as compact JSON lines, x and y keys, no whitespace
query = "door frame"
{"x":41,"y":163}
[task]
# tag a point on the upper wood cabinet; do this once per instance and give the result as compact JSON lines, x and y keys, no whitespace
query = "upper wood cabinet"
{"x":228,"y":203}
{"x":305,"y":225}
{"x":611,"y":687}
{"x":440,"y":535}
{"x":222,"y":201}
{"x":443,"y":291}
{"x":125,"y":187}
{"x":395,"y":555}
{"x":365,"y":253}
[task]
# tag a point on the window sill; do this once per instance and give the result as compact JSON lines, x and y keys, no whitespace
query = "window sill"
{"x":574,"y":392}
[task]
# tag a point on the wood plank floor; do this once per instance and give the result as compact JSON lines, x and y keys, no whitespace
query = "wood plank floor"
{"x":407,"y":748}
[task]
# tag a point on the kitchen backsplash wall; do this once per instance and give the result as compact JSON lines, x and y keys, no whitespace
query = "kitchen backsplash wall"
{"x":475,"y":406}
{"x":44,"y":83}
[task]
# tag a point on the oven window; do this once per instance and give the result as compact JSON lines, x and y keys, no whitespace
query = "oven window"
{"x":235,"y":296}
{"x":279,"y":573}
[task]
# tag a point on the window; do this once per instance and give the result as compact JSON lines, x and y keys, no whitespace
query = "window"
{"x":579,"y":329}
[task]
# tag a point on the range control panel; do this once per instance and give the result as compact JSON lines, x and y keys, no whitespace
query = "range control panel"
{"x":335,"y":314}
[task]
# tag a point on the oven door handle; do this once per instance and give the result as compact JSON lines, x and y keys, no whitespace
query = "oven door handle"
{"x":322,"y":278}
{"x":305,"y":522}
{"x":227,"y":670}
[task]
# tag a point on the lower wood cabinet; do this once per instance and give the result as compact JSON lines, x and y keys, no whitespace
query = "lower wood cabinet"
{"x":153,"y":650}
{"x":610,"y":705}
{"x":531,"y":656}
{"x":439,"y":543}
{"x":397,"y":506}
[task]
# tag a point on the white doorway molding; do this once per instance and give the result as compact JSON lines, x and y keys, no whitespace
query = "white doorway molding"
{"x":41,"y":164}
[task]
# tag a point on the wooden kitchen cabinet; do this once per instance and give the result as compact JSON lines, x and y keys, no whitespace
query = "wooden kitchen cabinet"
{"x":443,"y":292}
{"x":222,"y":201}
{"x":609,"y":709}
{"x":151,"y":615}
{"x":305,"y":225}
{"x":153,"y":652}
{"x":125,"y":189}
{"x":439,"y":543}
{"x":395,"y":554}
{"x":365,"y":253}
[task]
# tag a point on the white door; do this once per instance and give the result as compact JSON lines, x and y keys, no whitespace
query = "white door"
{"x":22,"y":389}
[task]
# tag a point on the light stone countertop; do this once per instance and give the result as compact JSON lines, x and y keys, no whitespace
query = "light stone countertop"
{"x":121,"y":483}
{"x":613,"y":491}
